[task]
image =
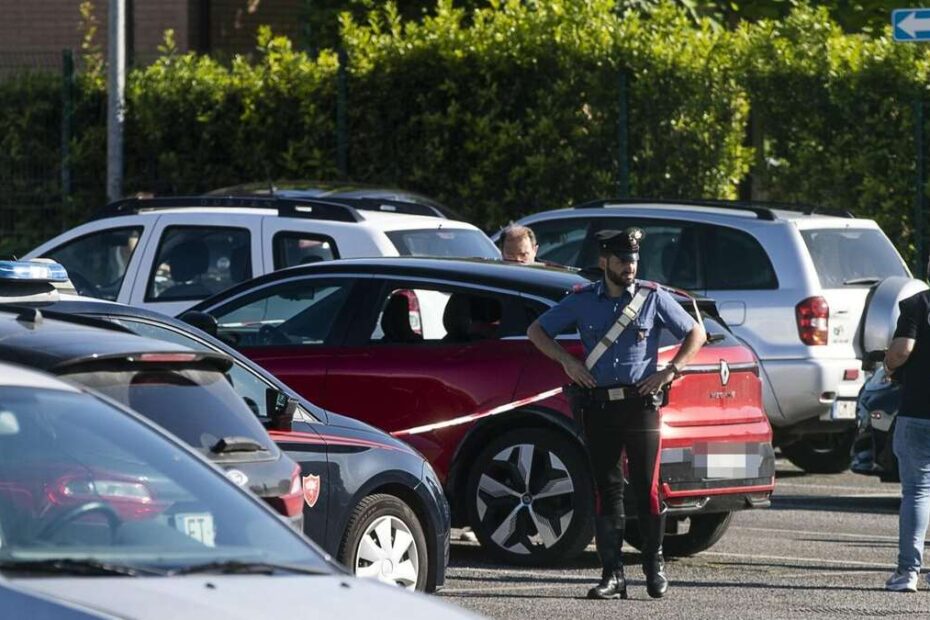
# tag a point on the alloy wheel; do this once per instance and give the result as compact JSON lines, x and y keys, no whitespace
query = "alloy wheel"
{"x":524,"y":498}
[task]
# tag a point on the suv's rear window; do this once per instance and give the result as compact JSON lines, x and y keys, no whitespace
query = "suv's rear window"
{"x":849,"y":257}
{"x":199,"y":406}
{"x":443,"y":242}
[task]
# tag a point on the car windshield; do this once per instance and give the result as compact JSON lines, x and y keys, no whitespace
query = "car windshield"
{"x":444,"y":242}
{"x":81,"y":482}
{"x":852,"y":257}
{"x":199,"y":406}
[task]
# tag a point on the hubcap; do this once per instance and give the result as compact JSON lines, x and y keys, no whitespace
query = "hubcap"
{"x":525,"y":498}
{"x":387,"y":552}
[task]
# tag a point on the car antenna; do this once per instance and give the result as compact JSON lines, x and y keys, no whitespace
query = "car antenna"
{"x":30,"y":315}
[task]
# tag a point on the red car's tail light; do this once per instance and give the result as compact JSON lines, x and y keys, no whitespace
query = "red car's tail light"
{"x":131,"y":499}
{"x":292,"y":503}
{"x":813,"y":316}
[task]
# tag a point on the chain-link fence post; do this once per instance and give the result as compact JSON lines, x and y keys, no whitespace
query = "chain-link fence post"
{"x":623,"y":133}
{"x":67,"y":118}
{"x":920,"y":267}
{"x":342,"y":130}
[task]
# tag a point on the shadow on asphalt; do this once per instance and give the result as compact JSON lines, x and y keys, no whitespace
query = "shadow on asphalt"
{"x":875,"y":505}
{"x":472,"y":556}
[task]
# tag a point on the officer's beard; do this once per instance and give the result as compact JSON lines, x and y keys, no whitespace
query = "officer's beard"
{"x":623,"y":277}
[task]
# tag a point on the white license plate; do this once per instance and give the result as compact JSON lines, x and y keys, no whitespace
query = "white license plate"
{"x":727,"y":461}
{"x":843,"y":410}
{"x":197,"y":525}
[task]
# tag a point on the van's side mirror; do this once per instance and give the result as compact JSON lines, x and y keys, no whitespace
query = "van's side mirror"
{"x":202,"y":321}
{"x":281,"y":409}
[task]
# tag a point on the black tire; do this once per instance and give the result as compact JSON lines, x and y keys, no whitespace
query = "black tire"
{"x":371,"y":510}
{"x":539,"y":530}
{"x":822,"y":454}
{"x":703,"y":533}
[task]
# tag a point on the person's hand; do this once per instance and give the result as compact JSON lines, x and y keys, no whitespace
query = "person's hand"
{"x":654,"y":382}
{"x":578,"y":372}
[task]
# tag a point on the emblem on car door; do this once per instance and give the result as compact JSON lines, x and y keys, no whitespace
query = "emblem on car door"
{"x":311,"y":489}
{"x":724,"y":372}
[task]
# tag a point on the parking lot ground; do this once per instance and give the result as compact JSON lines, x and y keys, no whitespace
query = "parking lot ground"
{"x":823,"y":550}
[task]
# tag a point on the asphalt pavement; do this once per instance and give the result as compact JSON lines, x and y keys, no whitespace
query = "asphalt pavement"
{"x":822,"y":550}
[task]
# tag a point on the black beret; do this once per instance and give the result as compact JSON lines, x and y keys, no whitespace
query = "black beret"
{"x":621,"y":243}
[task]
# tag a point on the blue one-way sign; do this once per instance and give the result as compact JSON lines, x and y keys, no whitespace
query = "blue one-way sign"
{"x":911,"y":24}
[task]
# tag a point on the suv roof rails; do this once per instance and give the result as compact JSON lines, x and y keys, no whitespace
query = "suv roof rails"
{"x":315,"y":209}
{"x":388,"y":205}
{"x":762,"y":210}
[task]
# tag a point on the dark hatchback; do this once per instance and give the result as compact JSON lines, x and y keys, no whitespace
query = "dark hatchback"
{"x":354,"y":477}
{"x":181,"y":390}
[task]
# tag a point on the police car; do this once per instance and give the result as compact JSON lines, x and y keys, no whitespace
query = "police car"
{"x":458,"y":379}
{"x":367,"y":498}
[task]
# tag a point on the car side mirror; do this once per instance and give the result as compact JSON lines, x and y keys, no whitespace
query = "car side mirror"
{"x":202,"y":321}
{"x":281,"y":409}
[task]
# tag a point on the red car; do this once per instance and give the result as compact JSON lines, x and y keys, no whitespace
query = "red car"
{"x":435,"y":352}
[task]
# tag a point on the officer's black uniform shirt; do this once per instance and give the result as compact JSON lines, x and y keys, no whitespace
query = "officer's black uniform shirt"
{"x":914,"y":322}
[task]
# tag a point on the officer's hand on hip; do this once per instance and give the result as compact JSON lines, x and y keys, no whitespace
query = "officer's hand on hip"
{"x":654,"y":382}
{"x":578,"y":372}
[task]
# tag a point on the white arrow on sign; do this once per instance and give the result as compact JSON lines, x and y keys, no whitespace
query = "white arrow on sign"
{"x":913,"y":24}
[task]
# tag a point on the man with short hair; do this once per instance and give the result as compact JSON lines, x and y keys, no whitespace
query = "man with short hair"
{"x":908,"y":361}
{"x":518,"y":244}
{"x":616,"y":394}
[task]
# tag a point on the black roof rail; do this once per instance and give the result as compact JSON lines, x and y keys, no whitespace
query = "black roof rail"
{"x":762,"y":209}
{"x":303,"y":208}
{"x":388,"y":205}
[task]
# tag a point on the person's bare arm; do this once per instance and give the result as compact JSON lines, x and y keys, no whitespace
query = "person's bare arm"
{"x":574,"y":368}
{"x":689,"y":348}
{"x":898,"y":354}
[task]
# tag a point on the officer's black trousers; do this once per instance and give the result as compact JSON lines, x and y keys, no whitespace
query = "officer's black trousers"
{"x":611,"y":427}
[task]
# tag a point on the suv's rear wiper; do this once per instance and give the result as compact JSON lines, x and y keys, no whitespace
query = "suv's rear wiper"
{"x":237,"y":444}
{"x":76,"y":566}
{"x":857,"y":281}
{"x":715,"y":337}
{"x":228,"y":567}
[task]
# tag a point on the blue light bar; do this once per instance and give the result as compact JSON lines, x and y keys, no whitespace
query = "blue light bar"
{"x":32,"y":271}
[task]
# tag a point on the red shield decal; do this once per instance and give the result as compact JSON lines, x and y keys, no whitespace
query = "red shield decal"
{"x":311,"y":489}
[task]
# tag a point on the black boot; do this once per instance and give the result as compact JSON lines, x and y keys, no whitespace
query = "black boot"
{"x":609,"y":540}
{"x":653,"y":530}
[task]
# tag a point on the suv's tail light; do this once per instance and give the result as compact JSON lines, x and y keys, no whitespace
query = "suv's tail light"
{"x":292,"y":503}
{"x":813,"y":315}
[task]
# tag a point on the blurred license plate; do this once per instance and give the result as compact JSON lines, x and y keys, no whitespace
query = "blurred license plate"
{"x":843,"y":410}
{"x":727,"y":460}
{"x":197,"y":525}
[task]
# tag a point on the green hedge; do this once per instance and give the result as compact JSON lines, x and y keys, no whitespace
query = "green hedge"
{"x":514,"y":108}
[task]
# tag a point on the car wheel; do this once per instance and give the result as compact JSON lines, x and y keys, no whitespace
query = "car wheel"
{"x":384,"y":540}
{"x":530,"y":499}
{"x":829,"y":453}
{"x":703,"y":533}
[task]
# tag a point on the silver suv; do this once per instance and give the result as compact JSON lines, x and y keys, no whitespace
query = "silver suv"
{"x":794,"y":285}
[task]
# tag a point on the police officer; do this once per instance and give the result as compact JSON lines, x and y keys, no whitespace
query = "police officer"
{"x":617,"y":397}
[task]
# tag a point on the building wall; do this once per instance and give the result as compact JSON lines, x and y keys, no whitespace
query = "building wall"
{"x":234,"y":23}
{"x":37,"y":27}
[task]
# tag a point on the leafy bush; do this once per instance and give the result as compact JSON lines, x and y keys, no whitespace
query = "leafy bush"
{"x":512,"y":108}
